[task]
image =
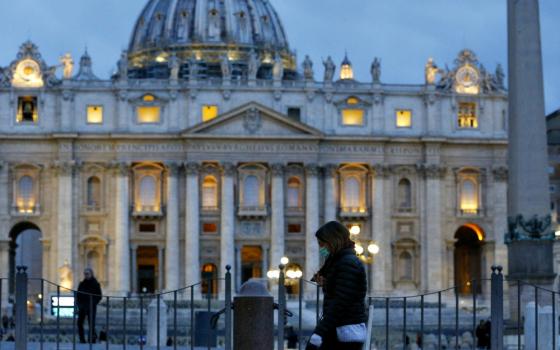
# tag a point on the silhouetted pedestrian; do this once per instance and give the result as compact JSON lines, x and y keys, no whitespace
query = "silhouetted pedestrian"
{"x":89,"y":295}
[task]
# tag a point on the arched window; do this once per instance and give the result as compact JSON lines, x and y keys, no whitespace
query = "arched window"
{"x":25,"y":193}
{"x":209,"y":274}
{"x":251,"y":192}
{"x":405,"y":194}
{"x":352,"y":193}
{"x":405,"y":264}
{"x":469,"y":197}
{"x":209,"y":192}
{"x":148,"y":193}
{"x":94,"y":192}
{"x":293,"y":195}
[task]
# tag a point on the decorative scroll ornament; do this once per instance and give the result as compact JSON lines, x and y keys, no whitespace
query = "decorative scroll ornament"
{"x":535,"y":228}
{"x":252,"y":121}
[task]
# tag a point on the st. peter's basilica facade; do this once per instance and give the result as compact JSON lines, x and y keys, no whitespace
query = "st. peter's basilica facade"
{"x":213,"y":145}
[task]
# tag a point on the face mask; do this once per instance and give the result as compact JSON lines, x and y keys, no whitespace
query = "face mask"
{"x":324,"y":252}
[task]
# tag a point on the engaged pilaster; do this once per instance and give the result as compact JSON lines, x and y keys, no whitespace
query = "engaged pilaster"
{"x":192,"y":229}
{"x":227,"y":231}
{"x":122,"y":229}
{"x":172,"y":234}
{"x":277,"y":219}
{"x":330,"y":172}
{"x":311,"y":220}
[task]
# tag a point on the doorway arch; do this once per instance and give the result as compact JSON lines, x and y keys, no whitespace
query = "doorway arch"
{"x":468,"y":258}
{"x":26,"y":249}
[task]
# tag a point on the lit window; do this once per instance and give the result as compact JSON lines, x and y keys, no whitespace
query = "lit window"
{"x":25,"y":199}
{"x":209,"y":193}
{"x":352,"y":117}
{"x":251,"y":192}
{"x":293,"y":194}
{"x":148,"y":98}
{"x":27,"y":110}
{"x":352,"y":101}
{"x":209,"y":274}
{"x":404,"y":118}
{"x":93,"y":192}
{"x":466,"y":116}
{"x":209,"y":112}
{"x":469,"y":197}
{"x":210,"y":228}
{"x":294,"y":228}
{"x":95,"y":114}
{"x":147,"y":115}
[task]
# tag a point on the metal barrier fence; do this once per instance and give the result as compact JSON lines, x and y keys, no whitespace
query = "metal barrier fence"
{"x":181,"y":318}
{"x":173,"y":319}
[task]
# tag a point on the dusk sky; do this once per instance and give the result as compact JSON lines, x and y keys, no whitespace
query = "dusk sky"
{"x":403,"y":33}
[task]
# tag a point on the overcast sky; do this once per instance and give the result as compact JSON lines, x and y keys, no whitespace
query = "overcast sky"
{"x":403,"y":33}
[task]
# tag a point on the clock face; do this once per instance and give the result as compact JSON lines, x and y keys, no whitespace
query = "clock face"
{"x":467,"y":80}
{"x":28,"y":70}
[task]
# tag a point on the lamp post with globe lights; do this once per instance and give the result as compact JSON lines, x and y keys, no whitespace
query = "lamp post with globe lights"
{"x":365,"y":249}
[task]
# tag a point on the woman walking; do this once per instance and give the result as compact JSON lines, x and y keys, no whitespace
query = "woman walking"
{"x":343,"y":279}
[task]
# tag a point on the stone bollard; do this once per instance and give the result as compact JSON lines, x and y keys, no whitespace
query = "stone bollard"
{"x":253,"y":327}
{"x":152,"y":323}
{"x":544,"y":327}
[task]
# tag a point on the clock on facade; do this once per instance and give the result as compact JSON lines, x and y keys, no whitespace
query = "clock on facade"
{"x":467,"y":80}
{"x":28,"y":74}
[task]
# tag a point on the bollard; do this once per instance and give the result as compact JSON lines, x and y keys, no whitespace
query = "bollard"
{"x":253,"y":327}
{"x":21,"y":308}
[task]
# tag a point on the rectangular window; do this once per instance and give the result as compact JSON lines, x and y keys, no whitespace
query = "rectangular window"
{"x":466,"y":117}
{"x":404,"y":118}
{"x":353,"y":117}
{"x":209,"y":228}
{"x":147,"y":228}
{"x":209,"y":112}
{"x":95,"y":114}
{"x":27,"y":110}
{"x":148,"y":115}
{"x":294,"y":113}
{"x":294,"y":228}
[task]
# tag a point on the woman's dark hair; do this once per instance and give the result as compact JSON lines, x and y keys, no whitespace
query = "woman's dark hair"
{"x":336,"y":235}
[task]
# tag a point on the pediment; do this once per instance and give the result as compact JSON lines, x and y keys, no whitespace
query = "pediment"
{"x":253,"y":120}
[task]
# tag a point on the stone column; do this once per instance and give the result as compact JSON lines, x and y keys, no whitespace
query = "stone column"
{"x":122,"y":230}
{"x":331,"y":203}
{"x":380,"y":270}
{"x":123,"y":106}
{"x":64,"y":237}
{"x":227,"y":228}
{"x":499,"y":215}
{"x":277,"y":216}
{"x":134,"y":275}
{"x":172,"y":235}
{"x":192,"y":229}
{"x":4,"y":221}
{"x":311,"y":220}
{"x":433,"y":249}
{"x":530,"y":255}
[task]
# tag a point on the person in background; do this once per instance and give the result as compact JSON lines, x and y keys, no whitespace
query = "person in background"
{"x":89,"y":295}
{"x":343,"y":279}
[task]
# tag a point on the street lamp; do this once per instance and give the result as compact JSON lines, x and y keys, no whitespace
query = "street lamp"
{"x":365,"y":255}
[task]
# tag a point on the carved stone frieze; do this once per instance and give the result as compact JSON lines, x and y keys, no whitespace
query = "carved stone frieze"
{"x":252,"y":121}
{"x":278,"y":169}
{"x":500,"y":174}
{"x":192,"y":168}
{"x":228,"y":169}
{"x":433,"y":171}
{"x":381,"y":170}
{"x":312,"y":169}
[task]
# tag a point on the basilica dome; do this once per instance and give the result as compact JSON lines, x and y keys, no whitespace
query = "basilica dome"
{"x":206,"y":31}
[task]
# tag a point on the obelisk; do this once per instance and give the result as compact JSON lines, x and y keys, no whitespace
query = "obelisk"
{"x":530,"y":234}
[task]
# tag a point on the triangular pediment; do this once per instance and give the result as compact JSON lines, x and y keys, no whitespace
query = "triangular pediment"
{"x":253,"y":120}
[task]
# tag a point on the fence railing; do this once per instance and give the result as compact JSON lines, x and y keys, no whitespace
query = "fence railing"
{"x":447,"y":318}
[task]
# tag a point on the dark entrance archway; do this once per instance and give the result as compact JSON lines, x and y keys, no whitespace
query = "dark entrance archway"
{"x":25,"y":250}
{"x":468,"y":259}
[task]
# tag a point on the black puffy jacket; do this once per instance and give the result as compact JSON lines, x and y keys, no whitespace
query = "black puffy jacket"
{"x":345,"y":289}
{"x":89,"y":288}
